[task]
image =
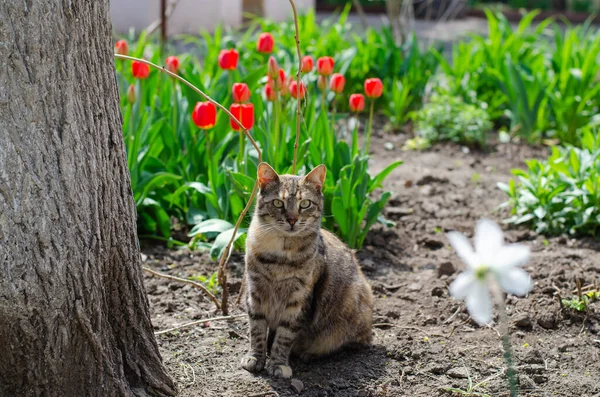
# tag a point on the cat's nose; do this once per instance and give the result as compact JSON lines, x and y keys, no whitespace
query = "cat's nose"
{"x":292,"y":221}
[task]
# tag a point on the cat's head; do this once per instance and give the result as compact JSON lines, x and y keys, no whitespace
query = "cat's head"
{"x":290,"y":204}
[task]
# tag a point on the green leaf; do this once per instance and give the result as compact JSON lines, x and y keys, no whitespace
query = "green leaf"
{"x":222,"y":240}
{"x":210,"y":226}
{"x":378,"y":180}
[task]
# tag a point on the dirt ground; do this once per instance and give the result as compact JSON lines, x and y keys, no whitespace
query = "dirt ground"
{"x":424,"y":341}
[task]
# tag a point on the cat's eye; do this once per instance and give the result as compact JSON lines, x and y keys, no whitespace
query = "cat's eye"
{"x":304,"y":204}
{"x":278,"y":203}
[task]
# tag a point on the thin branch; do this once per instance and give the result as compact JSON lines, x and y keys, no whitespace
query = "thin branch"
{"x":187,"y":325}
{"x":154,"y":25}
{"x":197,"y":90}
{"x":299,"y":81}
{"x":222,"y":275}
{"x":266,"y":393}
{"x":183,"y":280}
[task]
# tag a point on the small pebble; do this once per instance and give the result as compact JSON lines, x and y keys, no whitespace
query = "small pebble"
{"x":297,"y":385}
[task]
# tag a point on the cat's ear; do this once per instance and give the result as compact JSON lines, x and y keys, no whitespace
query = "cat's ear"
{"x":266,"y":175}
{"x":316,"y":177}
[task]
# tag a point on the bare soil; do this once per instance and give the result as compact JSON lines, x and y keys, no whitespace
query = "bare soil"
{"x":424,"y":341}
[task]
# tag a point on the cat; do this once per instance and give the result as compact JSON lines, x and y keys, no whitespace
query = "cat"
{"x":305,"y":290}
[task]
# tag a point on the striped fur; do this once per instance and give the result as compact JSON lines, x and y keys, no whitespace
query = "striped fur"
{"x":305,"y":290}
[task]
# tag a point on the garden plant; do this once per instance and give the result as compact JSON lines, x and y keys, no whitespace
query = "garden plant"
{"x":303,"y":93}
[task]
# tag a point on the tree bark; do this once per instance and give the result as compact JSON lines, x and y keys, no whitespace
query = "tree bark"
{"x":74,"y":316}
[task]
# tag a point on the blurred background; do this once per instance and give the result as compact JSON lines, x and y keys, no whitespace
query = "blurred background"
{"x":187,"y":16}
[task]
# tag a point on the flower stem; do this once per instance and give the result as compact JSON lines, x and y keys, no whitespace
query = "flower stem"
{"x":333,"y":115}
{"x":511,"y":373}
{"x":369,"y":127}
{"x":241,"y":144}
{"x":276,"y":131}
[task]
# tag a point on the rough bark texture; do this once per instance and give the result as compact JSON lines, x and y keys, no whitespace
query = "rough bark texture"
{"x":74,"y":318}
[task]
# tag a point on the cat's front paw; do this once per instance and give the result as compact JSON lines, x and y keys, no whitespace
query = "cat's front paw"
{"x":280,"y":370}
{"x":252,"y":363}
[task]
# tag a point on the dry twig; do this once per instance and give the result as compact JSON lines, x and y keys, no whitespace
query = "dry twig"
{"x":298,"y":81}
{"x":183,"y":280}
{"x":266,"y":393}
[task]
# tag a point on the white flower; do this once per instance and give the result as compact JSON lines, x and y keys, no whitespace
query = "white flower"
{"x":490,"y":258}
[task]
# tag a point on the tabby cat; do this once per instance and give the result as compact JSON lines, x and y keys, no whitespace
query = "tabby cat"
{"x":305,"y":291}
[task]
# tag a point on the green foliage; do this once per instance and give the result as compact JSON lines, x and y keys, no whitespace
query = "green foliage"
{"x":582,"y":302}
{"x":537,"y":88}
{"x":202,"y":179}
{"x":210,"y":283}
{"x":561,"y":194}
{"x":448,"y":118}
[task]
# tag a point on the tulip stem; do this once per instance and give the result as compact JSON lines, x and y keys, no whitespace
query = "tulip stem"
{"x":298,"y":88}
{"x":511,"y":373}
{"x":333,"y":110}
{"x":370,"y":127}
{"x":201,"y":93}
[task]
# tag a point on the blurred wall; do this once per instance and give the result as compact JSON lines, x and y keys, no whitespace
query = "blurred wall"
{"x":190,"y":16}
{"x":193,"y":16}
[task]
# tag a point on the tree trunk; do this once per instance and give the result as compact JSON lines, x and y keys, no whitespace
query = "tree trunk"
{"x":74,"y":316}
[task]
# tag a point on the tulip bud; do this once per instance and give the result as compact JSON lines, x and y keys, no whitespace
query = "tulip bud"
{"x":265,"y":43}
{"x":204,"y":115}
{"x":241,"y":92}
{"x":131,"y":95}
{"x":172,"y":64}
{"x":244,"y":113}
{"x":272,"y":68}
{"x":284,"y":90}
{"x":121,"y":47}
{"x":357,"y":103}
{"x":322,"y":82}
{"x":337,"y":82}
{"x":270,"y":93}
{"x":228,"y":59}
{"x":307,"y":64}
{"x":373,"y":88}
{"x":294,"y":89}
{"x":325,"y":66}
{"x":140,"y":70}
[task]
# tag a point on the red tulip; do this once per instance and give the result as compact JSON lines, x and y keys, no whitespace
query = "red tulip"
{"x":265,"y":43}
{"x":121,"y":47}
{"x":241,"y":92}
{"x":172,"y":64}
{"x":279,"y":81}
{"x":270,"y":93}
{"x":322,"y":83}
{"x":228,"y":59}
{"x":307,"y":64}
{"x":357,"y":102}
{"x":131,"y":95}
{"x":244,"y":113}
{"x":294,"y":89}
{"x":373,"y":88}
{"x":205,"y":115}
{"x":325,"y":66}
{"x":140,"y":70}
{"x":284,"y":90}
{"x":336,"y":83}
